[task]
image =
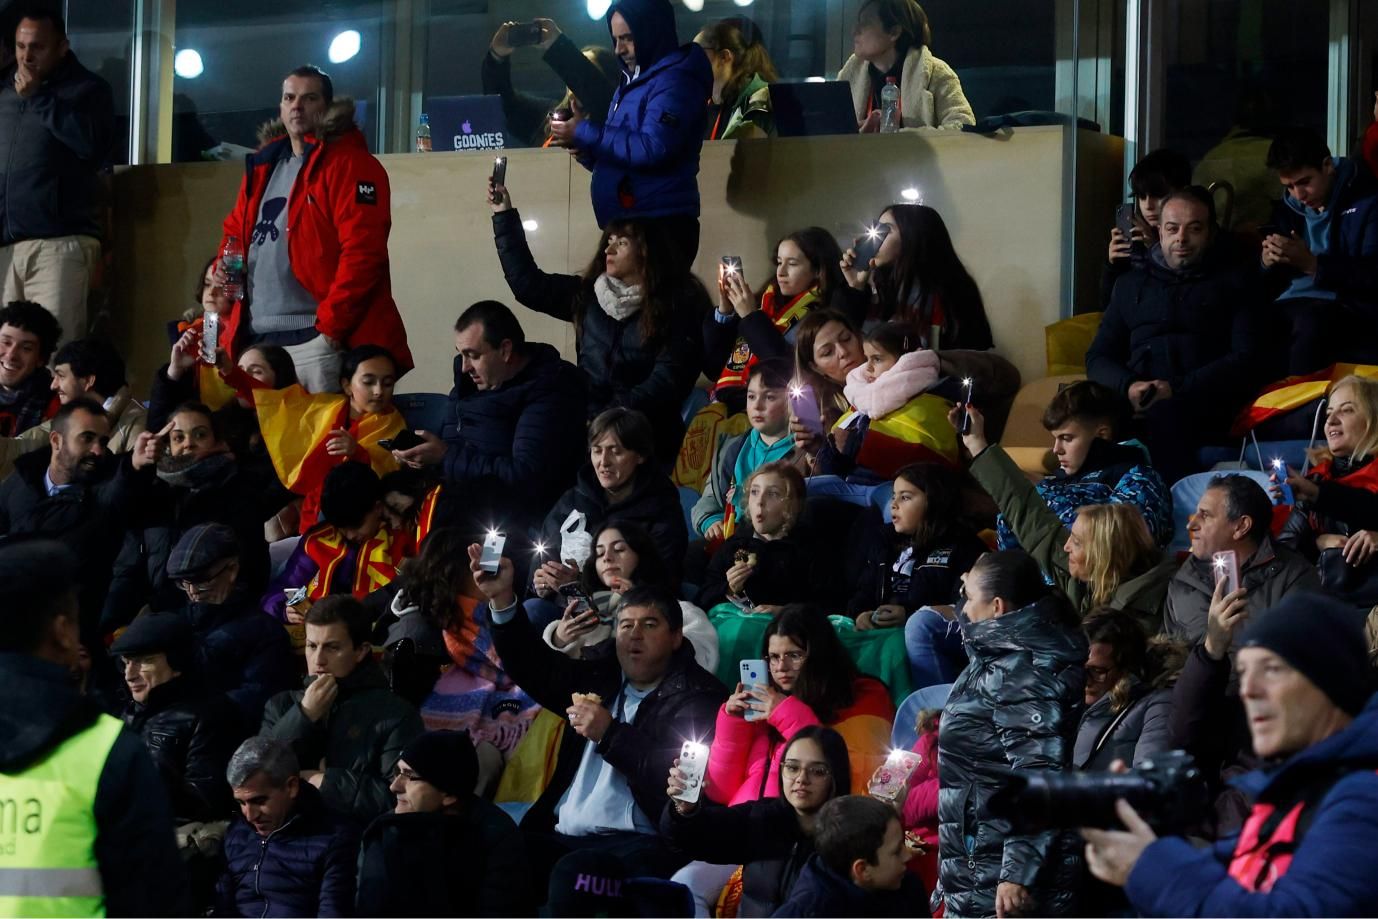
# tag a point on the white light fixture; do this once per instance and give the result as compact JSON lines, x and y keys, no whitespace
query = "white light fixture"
{"x":912,"y":195}
{"x":743,"y":2}
{"x":188,"y":64}
{"x":693,"y":6}
{"x":815,"y":79}
{"x":597,"y":9}
{"x":344,"y":46}
{"x":530,"y":226}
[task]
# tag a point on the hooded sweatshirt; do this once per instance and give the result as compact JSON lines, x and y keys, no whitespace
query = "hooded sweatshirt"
{"x":1317,"y":235}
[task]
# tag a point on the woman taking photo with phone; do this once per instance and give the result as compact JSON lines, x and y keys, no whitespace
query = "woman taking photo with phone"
{"x":636,"y":317}
{"x":916,"y":277}
{"x":624,"y":556}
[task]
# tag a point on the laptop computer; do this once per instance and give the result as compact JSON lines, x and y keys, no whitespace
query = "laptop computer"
{"x":468,"y":123}
{"x":812,"y":109}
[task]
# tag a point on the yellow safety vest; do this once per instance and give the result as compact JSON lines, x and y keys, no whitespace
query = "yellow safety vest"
{"x":48,"y":828}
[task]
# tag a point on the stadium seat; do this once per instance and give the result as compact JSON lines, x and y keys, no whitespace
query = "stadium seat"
{"x":904,"y":733}
{"x":424,"y":411}
{"x":698,"y":398}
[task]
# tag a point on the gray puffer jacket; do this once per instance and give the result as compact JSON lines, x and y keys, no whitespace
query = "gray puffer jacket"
{"x":1015,"y":706}
{"x":1137,"y":732}
{"x":1271,"y":573}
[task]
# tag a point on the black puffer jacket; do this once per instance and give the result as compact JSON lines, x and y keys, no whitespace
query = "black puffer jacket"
{"x":1016,"y":705}
{"x":55,"y":143}
{"x":623,"y":368}
{"x":191,"y":736}
{"x":653,"y":503}
{"x":1198,"y":329}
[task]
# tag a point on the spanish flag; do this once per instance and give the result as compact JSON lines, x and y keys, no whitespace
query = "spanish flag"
{"x":916,"y":432}
{"x":1293,"y":392}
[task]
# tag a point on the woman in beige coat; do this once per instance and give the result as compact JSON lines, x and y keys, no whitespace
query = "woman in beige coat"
{"x":891,"y":39}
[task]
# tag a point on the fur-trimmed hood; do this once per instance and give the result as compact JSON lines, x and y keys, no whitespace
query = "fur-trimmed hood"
{"x":339,"y":119}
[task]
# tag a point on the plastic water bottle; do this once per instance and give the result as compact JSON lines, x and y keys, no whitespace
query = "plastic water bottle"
{"x":423,"y":134}
{"x":232,"y":268}
{"x":890,"y":107}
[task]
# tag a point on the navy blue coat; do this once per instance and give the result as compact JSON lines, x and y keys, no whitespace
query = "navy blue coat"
{"x":622,"y":366}
{"x":513,"y":450}
{"x":1350,"y":268}
{"x":821,"y":891}
{"x":1328,"y":876}
{"x":645,"y":157}
{"x":304,"y":868}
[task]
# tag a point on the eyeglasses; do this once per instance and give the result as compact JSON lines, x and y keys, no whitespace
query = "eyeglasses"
{"x":792,"y":767}
{"x":792,"y":658}
{"x":406,"y":775}
{"x":201,"y":587}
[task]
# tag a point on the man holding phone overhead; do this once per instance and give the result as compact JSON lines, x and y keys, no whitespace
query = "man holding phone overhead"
{"x":645,"y":157}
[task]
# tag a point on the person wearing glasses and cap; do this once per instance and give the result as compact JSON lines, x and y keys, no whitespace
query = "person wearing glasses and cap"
{"x":239,"y":650}
{"x":444,"y":851}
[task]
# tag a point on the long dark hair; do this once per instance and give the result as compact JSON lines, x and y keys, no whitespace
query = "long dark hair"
{"x":831,"y":402}
{"x":825,"y":680}
{"x":1015,"y":577}
{"x":660,"y":279}
{"x":943,"y":489}
{"x":825,"y":257}
{"x":834,"y":752}
{"x":650,"y":566}
{"x":439,"y":575}
{"x":750,"y":56}
{"x":928,"y":266}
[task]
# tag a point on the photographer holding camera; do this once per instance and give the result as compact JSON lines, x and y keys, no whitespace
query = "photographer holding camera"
{"x":1304,"y":681}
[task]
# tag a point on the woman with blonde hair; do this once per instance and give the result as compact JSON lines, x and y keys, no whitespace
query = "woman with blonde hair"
{"x":1334,"y":520}
{"x":1106,"y":558}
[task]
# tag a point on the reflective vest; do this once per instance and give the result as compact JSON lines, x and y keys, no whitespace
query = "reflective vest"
{"x":48,"y":828}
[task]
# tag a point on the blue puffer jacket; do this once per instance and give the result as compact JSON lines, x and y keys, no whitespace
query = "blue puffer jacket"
{"x":1328,"y":875}
{"x":303,"y":868}
{"x":1112,"y":474}
{"x":512,"y":451}
{"x":645,"y":157}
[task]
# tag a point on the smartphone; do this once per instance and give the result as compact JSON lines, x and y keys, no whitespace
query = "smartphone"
{"x":868,"y":244}
{"x":524,"y":34}
{"x":1270,"y":229}
{"x":1124,"y":219}
{"x":890,"y":781}
{"x":693,"y":762}
{"x":754,"y":676}
{"x":491,"y":557}
{"x":499,"y":176}
{"x":731,"y":264}
{"x":1149,"y":395}
{"x":571,"y":590}
{"x":210,"y":336}
{"x":1226,"y":569}
{"x":1279,"y":476}
{"x":965,"y":427}
{"x":404,"y":440}
{"x":804,"y":406}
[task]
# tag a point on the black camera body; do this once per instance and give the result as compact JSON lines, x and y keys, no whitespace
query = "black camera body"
{"x":1168,"y":791}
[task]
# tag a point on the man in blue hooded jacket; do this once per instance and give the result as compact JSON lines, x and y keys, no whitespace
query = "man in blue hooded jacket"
{"x":1304,"y":679}
{"x":1324,"y":251}
{"x":645,"y":157}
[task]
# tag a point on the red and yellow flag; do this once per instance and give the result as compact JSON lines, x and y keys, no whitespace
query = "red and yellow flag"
{"x":1293,"y":392}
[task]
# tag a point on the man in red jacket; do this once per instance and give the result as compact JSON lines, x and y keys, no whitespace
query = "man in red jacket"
{"x":324,"y":287}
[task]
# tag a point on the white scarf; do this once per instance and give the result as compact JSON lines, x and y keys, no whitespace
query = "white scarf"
{"x":618,"y":299}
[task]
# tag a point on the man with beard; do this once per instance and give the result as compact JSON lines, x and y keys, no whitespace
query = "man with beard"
{"x":192,"y":477}
{"x":76,"y":492}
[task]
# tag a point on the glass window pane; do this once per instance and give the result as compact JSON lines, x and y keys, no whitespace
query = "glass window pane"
{"x":243,"y":50}
{"x":101,"y":33}
{"x":1004,"y":51}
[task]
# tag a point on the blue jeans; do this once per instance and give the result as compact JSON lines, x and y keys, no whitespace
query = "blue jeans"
{"x":935,"y":648}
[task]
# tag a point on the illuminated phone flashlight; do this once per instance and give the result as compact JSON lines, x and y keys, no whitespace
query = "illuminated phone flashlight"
{"x":872,"y":232}
{"x":966,"y":407}
{"x":796,"y":391}
{"x":492,"y":534}
{"x":1219,"y":562}
{"x":1280,"y":468}
{"x":966,"y":384}
{"x":539,"y":548}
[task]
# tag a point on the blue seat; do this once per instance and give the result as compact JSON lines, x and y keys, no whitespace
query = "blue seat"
{"x":905,"y":732}
{"x":1187,"y":492}
{"x":687,"y":499}
{"x":880,"y":498}
{"x":698,"y":398}
{"x":424,"y":411}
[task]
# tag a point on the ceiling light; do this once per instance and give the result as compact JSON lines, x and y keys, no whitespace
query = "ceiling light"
{"x":344,"y":46}
{"x":188,"y":64}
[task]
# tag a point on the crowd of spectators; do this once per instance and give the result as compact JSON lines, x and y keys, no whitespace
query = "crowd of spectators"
{"x":273,"y":650}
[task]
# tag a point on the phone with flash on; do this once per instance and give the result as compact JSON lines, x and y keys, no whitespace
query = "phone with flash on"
{"x":499,"y":176}
{"x":867,"y":245}
{"x":732,"y":264}
{"x":1226,"y":565}
{"x":491,"y":557}
{"x":803,"y":404}
{"x":693,"y":763}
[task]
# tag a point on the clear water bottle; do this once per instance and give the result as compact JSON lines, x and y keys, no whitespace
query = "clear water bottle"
{"x":890,"y":107}
{"x":423,"y":134}
{"x":232,"y":268}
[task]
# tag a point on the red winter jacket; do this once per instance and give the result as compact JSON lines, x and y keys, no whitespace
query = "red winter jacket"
{"x":339,"y":216}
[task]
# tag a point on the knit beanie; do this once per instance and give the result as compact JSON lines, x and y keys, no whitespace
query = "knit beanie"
{"x":445,"y":759}
{"x":1323,"y":639}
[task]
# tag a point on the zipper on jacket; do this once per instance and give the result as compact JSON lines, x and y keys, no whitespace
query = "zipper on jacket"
{"x":262,"y":854}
